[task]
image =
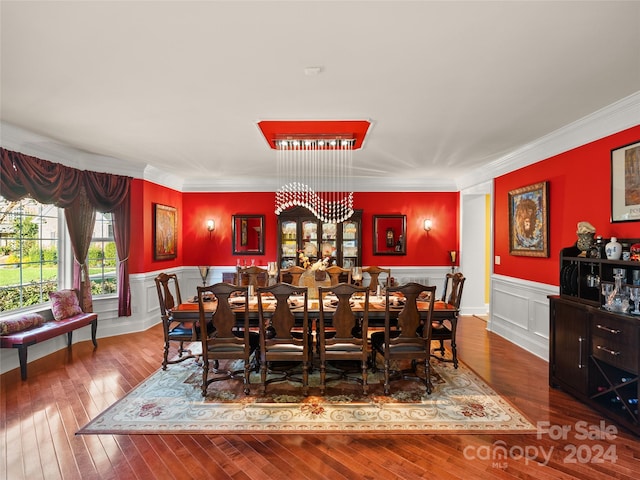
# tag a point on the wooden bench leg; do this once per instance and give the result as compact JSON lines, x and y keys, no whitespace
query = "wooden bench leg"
{"x":22,"y":356}
{"x":69,"y":339}
{"x":94,"y":329}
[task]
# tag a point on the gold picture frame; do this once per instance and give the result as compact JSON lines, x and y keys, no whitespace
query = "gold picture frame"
{"x":529,"y":221}
{"x":625,"y":183}
{"x":165,"y":240}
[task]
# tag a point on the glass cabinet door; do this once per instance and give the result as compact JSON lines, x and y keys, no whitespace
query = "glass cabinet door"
{"x":350,"y":247}
{"x":329,"y":244}
{"x":288,"y":244}
{"x":300,"y":231}
{"x":310,"y":239}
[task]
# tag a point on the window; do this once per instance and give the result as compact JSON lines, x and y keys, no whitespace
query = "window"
{"x":102,"y":256}
{"x":33,"y":259}
{"x":29,"y":253}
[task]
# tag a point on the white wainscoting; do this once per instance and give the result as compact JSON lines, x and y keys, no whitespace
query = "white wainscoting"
{"x":519,"y":312}
{"x":145,"y":312}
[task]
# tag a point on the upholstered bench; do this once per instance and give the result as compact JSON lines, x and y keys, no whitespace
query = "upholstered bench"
{"x":21,"y":330}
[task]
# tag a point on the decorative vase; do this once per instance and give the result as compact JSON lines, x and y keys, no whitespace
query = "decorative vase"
{"x":312,"y":279}
{"x":613,"y":249}
{"x":585,"y":241}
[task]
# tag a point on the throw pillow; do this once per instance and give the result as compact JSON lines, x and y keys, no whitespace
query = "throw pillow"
{"x":64,"y":304}
{"x":17,"y":323}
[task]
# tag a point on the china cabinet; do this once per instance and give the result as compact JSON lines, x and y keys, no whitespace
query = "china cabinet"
{"x":594,"y":341}
{"x":300,"y":231}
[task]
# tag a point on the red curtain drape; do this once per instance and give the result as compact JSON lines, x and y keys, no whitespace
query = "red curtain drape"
{"x":51,"y":183}
{"x":122,"y":236}
{"x":44,"y":181}
{"x":81,"y":217}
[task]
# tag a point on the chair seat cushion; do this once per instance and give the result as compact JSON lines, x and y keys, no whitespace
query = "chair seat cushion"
{"x":343,"y":347}
{"x":407,"y":348}
{"x":225,"y":347}
{"x":285,"y":347}
{"x":441,"y":332}
{"x":181,"y":331}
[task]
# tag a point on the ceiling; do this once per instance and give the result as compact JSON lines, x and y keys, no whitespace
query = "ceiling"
{"x":178,"y":87}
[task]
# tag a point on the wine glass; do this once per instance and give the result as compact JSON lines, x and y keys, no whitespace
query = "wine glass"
{"x":634,"y":296}
{"x":607,"y":290}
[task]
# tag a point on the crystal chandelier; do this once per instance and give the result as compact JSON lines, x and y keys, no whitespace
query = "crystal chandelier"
{"x":315,"y":172}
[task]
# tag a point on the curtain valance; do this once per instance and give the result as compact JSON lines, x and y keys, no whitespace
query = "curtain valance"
{"x":80,"y":193}
{"x":53,"y":183}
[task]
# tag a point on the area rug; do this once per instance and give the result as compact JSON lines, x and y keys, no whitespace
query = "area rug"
{"x":171,"y":402}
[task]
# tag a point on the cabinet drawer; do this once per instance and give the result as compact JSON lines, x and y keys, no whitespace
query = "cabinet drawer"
{"x":615,"y":353}
{"x":617,"y":329}
{"x":614,"y":340}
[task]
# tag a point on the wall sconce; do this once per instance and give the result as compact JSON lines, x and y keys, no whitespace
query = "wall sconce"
{"x":211,"y":224}
{"x":427,"y":224}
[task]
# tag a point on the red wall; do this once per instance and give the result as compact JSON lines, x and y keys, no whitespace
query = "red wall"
{"x":197,"y":247}
{"x":579,"y":190}
{"x":143,"y":197}
{"x":423,"y":248}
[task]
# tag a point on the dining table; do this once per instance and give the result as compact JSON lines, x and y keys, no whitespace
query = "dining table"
{"x":189,"y":311}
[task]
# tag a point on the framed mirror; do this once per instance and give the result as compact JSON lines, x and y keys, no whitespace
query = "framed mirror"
{"x":389,"y":234}
{"x":248,"y":234}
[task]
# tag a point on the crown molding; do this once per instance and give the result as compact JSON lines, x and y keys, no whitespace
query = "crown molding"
{"x":359,"y":184}
{"x":20,"y":140}
{"x":611,"y":119}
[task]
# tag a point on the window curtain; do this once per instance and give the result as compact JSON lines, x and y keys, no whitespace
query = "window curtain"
{"x":51,"y":183}
{"x":122,"y":236}
{"x":111,"y":193}
{"x":81,"y":218}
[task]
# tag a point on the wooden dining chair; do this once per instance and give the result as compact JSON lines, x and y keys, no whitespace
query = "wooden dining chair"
{"x":410,"y":341}
{"x":226,"y":341}
{"x":343,"y":334}
{"x":252,"y":276}
{"x":281,"y":343}
{"x":374,"y":274}
{"x":291,"y":275}
{"x":338,"y":274}
{"x":446,"y":324}
{"x":180,"y":332}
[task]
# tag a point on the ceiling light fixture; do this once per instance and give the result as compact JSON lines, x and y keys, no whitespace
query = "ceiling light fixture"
{"x":315,"y":165}
{"x":316,"y":173}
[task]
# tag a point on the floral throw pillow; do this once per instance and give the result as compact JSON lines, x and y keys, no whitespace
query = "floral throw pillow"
{"x":17,"y":323}
{"x":64,"y":304}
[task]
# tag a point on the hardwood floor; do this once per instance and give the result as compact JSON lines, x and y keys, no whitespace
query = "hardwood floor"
{"x":39,"y":418}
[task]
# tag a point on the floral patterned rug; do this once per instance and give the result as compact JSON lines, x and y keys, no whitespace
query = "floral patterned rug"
{"x":171,"y":402}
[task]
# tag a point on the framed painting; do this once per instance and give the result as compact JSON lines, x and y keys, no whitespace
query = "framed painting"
{"x":165,"y":239}
{"x":529,"y":221}
{"x":389,"y":234}
{"x":625,"y":183}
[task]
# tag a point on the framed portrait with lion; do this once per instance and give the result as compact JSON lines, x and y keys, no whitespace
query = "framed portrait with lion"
{"x":529,"y":221}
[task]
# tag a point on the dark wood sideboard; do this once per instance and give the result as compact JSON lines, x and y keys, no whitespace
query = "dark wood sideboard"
{"x":594,"y":353}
